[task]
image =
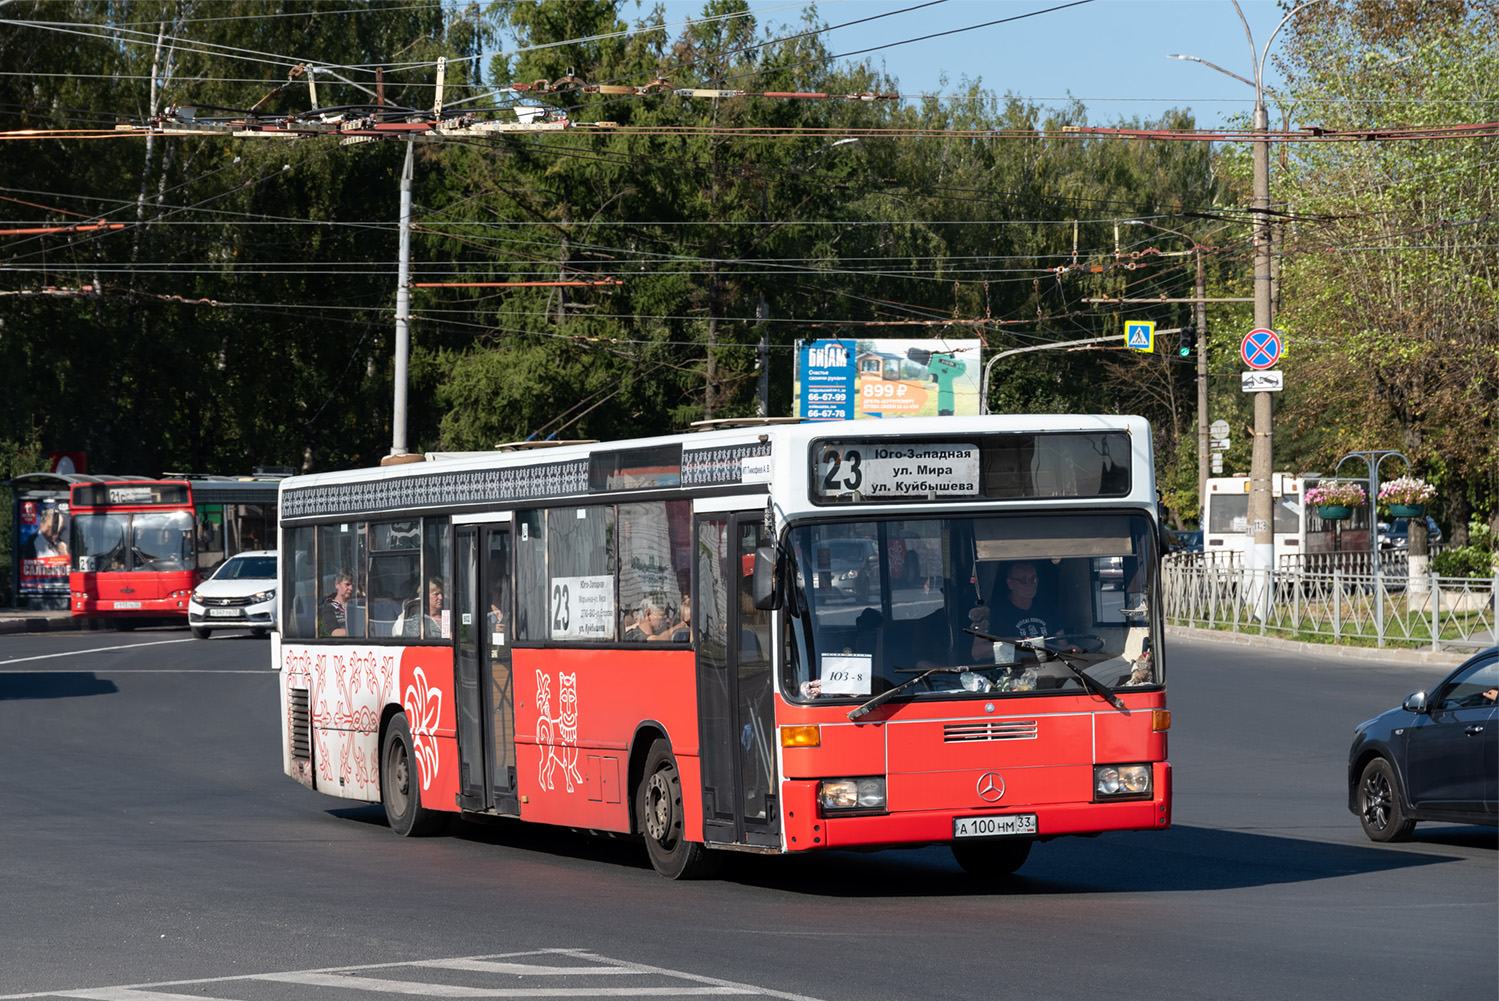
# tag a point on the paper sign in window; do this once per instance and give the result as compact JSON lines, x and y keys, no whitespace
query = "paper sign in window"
{"x":846,"y":673}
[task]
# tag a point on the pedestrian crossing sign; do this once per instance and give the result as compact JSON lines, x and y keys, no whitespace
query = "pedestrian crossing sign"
{"x":1139,"y":335}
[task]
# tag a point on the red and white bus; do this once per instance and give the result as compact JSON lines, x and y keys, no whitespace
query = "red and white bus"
{"x":701,"y":640}
{"x":139,"y":546}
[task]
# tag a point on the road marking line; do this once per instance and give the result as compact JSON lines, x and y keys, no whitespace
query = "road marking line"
{"x":522,"y":969}
{"x":125,"y":994}
{"x":452,"y":991}
{"x":97,"y":649}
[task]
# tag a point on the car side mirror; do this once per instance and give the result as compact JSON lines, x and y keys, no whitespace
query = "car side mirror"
{"x":1415,"y":703}
{"x":763,"y":587}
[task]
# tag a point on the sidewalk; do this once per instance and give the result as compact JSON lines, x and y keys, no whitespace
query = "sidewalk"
{"x":1385,"y":655}
{"x":27,"y":620}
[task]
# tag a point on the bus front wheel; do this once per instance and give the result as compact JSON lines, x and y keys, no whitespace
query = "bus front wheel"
{"x":400,"y":789}
{"x":659,"y":811}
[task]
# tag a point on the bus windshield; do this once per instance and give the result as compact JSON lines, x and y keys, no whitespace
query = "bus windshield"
{"x":158,"y":540}
{"x":987,"y":605}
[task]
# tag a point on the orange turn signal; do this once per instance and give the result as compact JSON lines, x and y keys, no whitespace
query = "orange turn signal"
{"x":1160,"y":719}
{"x":801,"y":736}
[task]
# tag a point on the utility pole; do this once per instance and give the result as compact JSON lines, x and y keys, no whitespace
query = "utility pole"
{"x":403,"y":316}
{"x":1201,"y":318}
{"x":1261,"y":461}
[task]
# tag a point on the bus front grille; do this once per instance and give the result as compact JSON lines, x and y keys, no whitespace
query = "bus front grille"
{"x":1003,"y":729}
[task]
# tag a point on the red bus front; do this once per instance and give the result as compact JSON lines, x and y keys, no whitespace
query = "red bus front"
{"x":133,"y":553}
{"x":1014,"y":696}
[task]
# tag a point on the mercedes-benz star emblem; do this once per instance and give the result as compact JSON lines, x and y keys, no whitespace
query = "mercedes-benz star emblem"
{"x":991,"y":787}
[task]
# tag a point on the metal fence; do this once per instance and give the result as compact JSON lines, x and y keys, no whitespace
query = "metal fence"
{"x":1356,"y":601}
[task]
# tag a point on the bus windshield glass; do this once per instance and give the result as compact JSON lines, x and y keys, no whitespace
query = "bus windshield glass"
{"x":975,"y":606}
{"x":155,"y":541}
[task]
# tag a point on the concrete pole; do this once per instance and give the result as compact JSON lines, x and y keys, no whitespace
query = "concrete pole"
{"x":403,"y":312}
{"x":1261,"y":461}
{"x":1204,"y":453}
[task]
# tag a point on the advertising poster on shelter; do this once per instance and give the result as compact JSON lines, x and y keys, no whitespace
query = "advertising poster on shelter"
{"x":847,"y":379}
{"x":43,"y":535}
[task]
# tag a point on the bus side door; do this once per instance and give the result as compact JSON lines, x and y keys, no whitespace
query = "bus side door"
{"x":485,"y":689}
{"x":736,"y":686}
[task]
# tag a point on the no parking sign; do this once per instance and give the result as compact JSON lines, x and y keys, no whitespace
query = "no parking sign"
{"x":1261,"y":348}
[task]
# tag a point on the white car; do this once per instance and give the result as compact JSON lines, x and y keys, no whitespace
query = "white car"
{"x":240,"y":594}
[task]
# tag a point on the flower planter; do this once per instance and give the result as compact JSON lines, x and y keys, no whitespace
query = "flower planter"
{"x":1407,"y":510}
{"x":1334,"y":512}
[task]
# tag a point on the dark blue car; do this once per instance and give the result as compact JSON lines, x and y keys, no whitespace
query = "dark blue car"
{"x":1434,"y":758}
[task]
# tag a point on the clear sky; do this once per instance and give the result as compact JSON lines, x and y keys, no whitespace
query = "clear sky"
{"x":1109,"y":54}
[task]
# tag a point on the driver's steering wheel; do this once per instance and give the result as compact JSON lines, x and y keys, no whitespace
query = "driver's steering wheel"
{"x":1073,"y":643}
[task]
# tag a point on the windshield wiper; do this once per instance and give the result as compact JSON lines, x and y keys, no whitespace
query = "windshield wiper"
{"x":1038,"y":643}
{"x":1087,"y":681}
{"x":890,"y":693}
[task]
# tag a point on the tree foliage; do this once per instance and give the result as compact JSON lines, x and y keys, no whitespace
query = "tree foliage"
{"x":243,"y":315}
{"x":1390,"y":262}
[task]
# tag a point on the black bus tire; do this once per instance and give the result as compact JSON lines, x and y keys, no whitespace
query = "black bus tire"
{"x":658,"y":804}
{"x":400,"y":785}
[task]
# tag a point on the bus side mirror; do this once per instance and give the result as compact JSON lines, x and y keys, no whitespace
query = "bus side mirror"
{"x":763,"y":580}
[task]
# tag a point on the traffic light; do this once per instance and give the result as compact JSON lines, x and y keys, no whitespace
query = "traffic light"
{"x":1187,"y":342}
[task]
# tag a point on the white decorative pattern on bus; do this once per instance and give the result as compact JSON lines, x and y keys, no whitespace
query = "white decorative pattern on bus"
{"x":363,"y":682}
{"x":423,"y":705}
{"x":719,"y":466}
{"x":405,"y":493}
{"x":564,"y":728}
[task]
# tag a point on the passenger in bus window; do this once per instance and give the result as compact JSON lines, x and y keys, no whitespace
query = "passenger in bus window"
{"x":332,"y":614}
{"x":651,"y":625}
{"x":497,"y":606}
{"x":682,"y":631}
{"x":1019,"y":612}
{"x":414,"y":622}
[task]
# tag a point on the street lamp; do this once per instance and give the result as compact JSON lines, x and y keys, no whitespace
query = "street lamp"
{"x":1261,"y":500}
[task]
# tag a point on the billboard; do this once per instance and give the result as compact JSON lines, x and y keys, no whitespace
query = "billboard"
{"x":846,"y":378}
{"x":42,"y":530}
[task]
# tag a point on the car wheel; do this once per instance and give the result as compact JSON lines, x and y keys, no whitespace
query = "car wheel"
{"x":1379,"y":808}
{"x":658,"y":804}
{"x":400,"y":789}
{"x":201,"y":634}
{"x":988,"y":859}
{"x":259,"y":634}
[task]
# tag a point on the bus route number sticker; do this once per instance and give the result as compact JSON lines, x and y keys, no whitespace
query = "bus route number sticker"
{"x":846,"y":673}
{"x":582,"y":608}
{"x":876,"y":470}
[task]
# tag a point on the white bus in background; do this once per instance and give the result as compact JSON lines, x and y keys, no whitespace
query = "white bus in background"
{"x":1299,"y":532}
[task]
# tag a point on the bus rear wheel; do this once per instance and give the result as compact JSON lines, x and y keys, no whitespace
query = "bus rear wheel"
{"x":400,"y":790}
{"x":988,"y":859}
{"x":658,"y":804}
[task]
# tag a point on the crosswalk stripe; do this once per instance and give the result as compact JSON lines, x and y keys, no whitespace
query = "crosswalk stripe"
{"x":125,"y":994}
{"x":523,"y":969}
{"x":452,"y":991}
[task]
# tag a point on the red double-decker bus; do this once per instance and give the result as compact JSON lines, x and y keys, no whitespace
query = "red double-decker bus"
{"x":138,"y":546}
{"x":784,"y":638}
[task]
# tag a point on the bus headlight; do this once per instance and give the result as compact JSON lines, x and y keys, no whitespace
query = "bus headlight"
{"x":1121,"y":781}
{"x":846,"y":795}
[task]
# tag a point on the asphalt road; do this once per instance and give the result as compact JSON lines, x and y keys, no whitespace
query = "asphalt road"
{"x":149,"y":841}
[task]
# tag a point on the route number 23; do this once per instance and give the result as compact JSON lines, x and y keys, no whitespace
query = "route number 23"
{"x":836,"y":464}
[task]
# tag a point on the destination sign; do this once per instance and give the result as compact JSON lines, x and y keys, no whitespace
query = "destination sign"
{"x":879,"y":470}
